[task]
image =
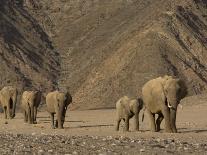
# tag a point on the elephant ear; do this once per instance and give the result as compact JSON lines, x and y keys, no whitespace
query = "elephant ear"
{"x":163,"y":93}
{"x":141,"y":103}
{"x":68,"y":98}
{"x":183,"y":91}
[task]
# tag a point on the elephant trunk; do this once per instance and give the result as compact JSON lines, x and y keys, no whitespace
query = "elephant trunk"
{"x":63,"y":115}
{"x":173,"y":119}
{"x":13,"y":109}
{"x":14,"y":101}
{"x":32,"y":114}
{"x":60,"y":117}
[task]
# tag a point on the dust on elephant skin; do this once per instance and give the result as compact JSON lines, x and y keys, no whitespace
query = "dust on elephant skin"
{"x":29,"y":103}
{"x":57,"y":103}
{"x":161,"y":96}
{"x":8,"y":100}
{"x":126,"y":108}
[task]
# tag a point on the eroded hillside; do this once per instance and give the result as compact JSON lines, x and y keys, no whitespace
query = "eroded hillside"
{"x":111,"y":48}
{"x":28,"y":58}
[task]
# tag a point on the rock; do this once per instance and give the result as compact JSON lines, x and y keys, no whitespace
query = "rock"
{"x":142,"y":150}
{"x":50,"y":151}
{"x":132,"y":141}
{"x":109,"y":137}
{"x":33,"y":133}
{"x":158,"y":140}
{"x":41,"y":152}
{"x":75,"y":152}
{"x":104,"y":153}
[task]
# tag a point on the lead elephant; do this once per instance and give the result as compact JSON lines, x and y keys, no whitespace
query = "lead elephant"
{"x":29,"y":103}
{"x":126,"y":108}
{"x":8,"y":100}
{"x":161,"y":96}
{"x":57,"y":103}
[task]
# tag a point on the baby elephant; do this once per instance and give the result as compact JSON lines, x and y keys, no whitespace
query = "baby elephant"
{"x":29,"y":103}
{"x":126,"y":108}
{"x":57,"y":103}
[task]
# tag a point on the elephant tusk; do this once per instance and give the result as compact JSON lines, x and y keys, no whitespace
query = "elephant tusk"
{"x":169,"y":106}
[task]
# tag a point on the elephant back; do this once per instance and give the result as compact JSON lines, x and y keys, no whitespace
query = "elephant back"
{"x":7,"y":92}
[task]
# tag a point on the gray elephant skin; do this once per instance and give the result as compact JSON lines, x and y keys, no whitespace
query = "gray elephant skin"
{"x":29,"y":103}
{"x":8,"y":100}
{"x":161,"y":96}
{"x":126,"y":108}
{"x":57,"y":103}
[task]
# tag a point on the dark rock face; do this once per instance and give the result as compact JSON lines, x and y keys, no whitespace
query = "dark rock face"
{"x":105,"y":49}
{"x":28,"y":58}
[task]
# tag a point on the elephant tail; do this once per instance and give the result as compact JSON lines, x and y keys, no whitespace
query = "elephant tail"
{"x":143,"y":113}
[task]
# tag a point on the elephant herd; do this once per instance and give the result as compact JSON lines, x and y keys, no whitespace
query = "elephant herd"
{"x":160,"y":96}
{"x":56,"y":101}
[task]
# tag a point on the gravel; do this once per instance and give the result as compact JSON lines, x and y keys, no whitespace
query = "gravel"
{"x":74,"y":145}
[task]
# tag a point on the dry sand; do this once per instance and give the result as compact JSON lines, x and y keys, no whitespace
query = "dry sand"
{"x":92,"y":132}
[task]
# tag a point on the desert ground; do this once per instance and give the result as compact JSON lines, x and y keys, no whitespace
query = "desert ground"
{"x":101,"y":50}
{"x":92,"y":132}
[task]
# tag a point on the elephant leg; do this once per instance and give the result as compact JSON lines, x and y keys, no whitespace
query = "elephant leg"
{"x":117,"y":124}
{"x":5,"y":112}
{"x":35,"y":115}
{"x":152,"y":120}
{"x":166,"y":113}
{"x":126,"y":123}
{"x":14,"y":99}
{"x":32,"y":114}
{"x":29,"y":115}
{"x":59,"y":113}
{"x":25,"y":116}
{"x":63,"y":115}
{"x":136,"y":119}
{"x":158,"y":122}
{"x":52,"y":120}
{"x":9,"y":111}
{"x":59,"y":116}
{"x":56,"y":123}
{"x":12,"y":108}
{"x":59,"y":120}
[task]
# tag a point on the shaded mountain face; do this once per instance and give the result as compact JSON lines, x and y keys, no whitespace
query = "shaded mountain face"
{"x":106,"y":49}
{"x":28,"y":58}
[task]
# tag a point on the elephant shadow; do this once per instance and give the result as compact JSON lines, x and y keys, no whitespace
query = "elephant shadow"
{"x":187,"y":130}
{"x":48,"y":121}
{"x":90,"y":126}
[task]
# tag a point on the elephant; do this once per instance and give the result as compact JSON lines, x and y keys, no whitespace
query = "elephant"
{"x":8,"y":100}
{"x":126,"y":108}
{"x":57,"y":103}
{"x":29,"y":103}
{"x":161,"y":96}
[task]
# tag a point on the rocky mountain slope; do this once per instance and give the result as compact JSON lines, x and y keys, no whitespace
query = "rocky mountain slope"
{"x":105,"y":49}
{"x":28,"y":58}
